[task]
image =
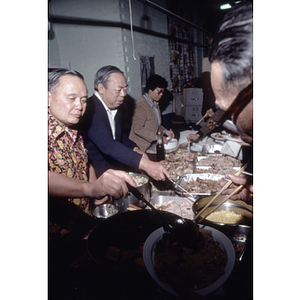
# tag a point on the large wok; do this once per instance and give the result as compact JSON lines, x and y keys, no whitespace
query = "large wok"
{"x":125,"y":231}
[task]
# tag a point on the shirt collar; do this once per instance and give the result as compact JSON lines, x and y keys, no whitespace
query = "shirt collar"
{"x":56,"y":130}
{"x":148,"y":99}
{"x":113,"y":111}
{"x":153,"y":104}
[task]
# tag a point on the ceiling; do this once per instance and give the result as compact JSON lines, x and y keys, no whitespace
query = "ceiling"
{"x":207,"y":10}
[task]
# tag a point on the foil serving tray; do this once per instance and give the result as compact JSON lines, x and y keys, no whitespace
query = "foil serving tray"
{"x":193,"y":177}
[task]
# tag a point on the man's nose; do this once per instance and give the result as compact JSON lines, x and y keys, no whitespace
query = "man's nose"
{"x":79,"y":104}
{"x":123,"y":92}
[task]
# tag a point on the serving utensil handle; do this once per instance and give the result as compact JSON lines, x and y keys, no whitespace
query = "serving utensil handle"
{"x":139,"y":195}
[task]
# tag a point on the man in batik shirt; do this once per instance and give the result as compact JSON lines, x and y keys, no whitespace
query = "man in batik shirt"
{"x":72,"y":180}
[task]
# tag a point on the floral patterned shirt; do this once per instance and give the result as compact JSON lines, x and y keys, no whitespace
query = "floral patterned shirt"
{"x":67,"y":156}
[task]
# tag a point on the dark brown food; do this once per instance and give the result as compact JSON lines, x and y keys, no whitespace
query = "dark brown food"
{"x":200,"y":186}
{"x":194,"y":261}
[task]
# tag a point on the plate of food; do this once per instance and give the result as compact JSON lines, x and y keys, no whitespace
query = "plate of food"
{"x":182,"y":268}
{"x":225,"y":136}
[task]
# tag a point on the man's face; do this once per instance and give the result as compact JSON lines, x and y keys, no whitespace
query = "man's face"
{"x":225,"y":96}
{"x":67,"y":102}
{"x":113,"y":95}
{"x":156,"y":94}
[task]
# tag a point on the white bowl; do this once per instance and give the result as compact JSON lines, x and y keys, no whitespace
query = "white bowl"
{"x":171,"y":144}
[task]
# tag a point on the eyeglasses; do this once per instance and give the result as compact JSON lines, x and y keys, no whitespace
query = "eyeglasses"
{"x":159,"y":92}
{"x":239,"y":103}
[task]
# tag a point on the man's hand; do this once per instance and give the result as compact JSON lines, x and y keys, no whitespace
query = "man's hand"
{"x":111,"y":183}
{"x":170,"y":134}
{"x":193,"y":137}
{"x":246,"y":193}
{"x":156,"y":170}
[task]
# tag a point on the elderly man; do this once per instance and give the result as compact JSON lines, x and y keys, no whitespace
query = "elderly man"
{"x":231,"y":78}
{"x":72,"y":180}
{"x":108,"y":146}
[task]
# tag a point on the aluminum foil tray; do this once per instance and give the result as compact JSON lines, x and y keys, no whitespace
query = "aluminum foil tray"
{"x":212,"y":149}
{"x":193,"y":177}
{"x":215,"y":168}
{"x":209,"y":169}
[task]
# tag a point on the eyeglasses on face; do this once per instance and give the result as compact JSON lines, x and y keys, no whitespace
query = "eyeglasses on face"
{"x":159,"y":92}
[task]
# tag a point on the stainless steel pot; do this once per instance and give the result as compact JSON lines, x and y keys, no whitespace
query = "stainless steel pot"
{"x":144,"y":188}
{"x":105,"y":211}
{"x":237,"y":233}
{"x":239,"y":207}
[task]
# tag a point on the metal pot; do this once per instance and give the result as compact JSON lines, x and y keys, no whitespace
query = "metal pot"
{"x":105,"y":211}
{"x":237,"y":233}
{"x":144,"y":188}
{"x":239,"y":207}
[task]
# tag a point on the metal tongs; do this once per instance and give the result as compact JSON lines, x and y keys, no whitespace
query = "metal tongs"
{"x":191,"y":196}
{"x":169,"y":226}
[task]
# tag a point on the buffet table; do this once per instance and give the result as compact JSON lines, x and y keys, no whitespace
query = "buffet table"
{"x":79,"y":270}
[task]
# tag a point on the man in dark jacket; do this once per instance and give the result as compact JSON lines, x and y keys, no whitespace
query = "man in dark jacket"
{"x":108,"y":147}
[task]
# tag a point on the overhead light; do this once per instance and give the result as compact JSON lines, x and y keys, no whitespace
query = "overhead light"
{"x":225,"y":6}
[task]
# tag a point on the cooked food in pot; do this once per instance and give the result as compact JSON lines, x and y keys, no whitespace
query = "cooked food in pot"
{"x":140,"y":180}
{"x":226,"y":217}
{"x":192,"y":261}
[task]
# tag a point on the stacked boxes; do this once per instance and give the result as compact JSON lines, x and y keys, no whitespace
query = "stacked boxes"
{"x":193,"y":102}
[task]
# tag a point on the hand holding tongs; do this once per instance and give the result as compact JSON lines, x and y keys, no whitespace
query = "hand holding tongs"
{"x":176,"y":184}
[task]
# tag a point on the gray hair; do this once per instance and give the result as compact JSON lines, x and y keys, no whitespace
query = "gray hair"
{"x":53,"y":77}
{"x":232,"y":45}
{"x":102,"y":75}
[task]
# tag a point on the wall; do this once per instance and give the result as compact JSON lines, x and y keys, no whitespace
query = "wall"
{"x":144,"y":44}
{"x":86,"y":48}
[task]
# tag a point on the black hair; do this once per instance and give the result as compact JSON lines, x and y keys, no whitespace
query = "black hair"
{"x":155,"y":81}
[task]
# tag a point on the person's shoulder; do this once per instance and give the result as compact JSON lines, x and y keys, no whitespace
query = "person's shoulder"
{"x":142,"y":101}
{"x":93,"y":96}
{"x":96,"y":103}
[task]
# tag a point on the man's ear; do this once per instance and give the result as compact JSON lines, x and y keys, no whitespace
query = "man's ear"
{"x":49,"y":98}
{"x":101,"y":88}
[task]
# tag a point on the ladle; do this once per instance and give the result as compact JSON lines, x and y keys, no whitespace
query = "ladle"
{"x":173,"y":225}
